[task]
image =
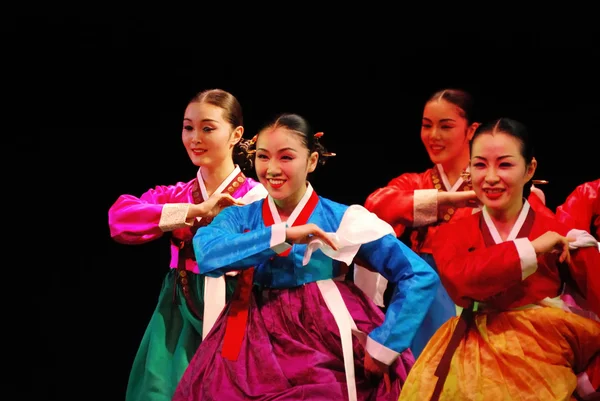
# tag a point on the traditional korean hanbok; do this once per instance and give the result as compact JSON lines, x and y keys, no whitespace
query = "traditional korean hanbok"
{"x":516,"y":339}
{"x":299,"y":334}
{"x":409,"y":204}
{"x":581,"y":209}
{"x":188,"y":303}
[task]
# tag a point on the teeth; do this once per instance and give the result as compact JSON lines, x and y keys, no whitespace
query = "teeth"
{"x":493,"y":190}
{"x":276,"y":182}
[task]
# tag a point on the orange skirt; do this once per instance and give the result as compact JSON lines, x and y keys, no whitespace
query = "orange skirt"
{"x":532,"y":354}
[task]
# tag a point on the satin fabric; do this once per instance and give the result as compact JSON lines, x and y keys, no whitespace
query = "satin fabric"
{"x":173,"y":333}
{"x":527,"y":355}
{"x":291,"y":351}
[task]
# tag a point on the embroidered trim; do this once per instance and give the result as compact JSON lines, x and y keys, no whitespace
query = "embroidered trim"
{"x":446,"y":211}
{"x":173,"y":216}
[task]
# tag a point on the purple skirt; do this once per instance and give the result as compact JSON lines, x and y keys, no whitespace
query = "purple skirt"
{"x":291,"y":351}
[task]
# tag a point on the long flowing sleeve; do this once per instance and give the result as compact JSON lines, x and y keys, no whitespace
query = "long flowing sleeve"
{"x":416,"y":286}
{"x":581,"y":209}
{"x":134,"y":220}
{"x":584,"y":267}
{"x":472,"y":272}
{"x":226,"y":245}
{"x":405,"y":202}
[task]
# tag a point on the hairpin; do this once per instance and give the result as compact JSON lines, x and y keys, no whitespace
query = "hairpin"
{"x":466,"y":176}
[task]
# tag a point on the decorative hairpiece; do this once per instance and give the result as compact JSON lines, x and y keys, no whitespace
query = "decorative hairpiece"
{"x":318,"y":135}
{"x":466,"y":176}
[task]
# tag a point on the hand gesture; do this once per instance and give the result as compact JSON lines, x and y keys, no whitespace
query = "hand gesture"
{"x":374,"y":369}
{"x":552,"y":242}
{"x":459,"y":199}
{"x":217,"y":202}
{"x":305,"y":233}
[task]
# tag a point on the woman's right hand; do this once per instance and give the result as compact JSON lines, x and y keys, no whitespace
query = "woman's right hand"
{"x":307,"y":232}
{"x":458,"y":199}
{"x":551,"y":241}
{"x":213,"y":206}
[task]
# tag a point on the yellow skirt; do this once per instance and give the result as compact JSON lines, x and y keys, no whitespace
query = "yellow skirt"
{"x":532,"y":354}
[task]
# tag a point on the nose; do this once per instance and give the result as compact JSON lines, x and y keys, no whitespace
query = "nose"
{"x":434,"y":133}
{"x":273,"y":169}
{"x":196,"y":138}
{"x":491,"y":176}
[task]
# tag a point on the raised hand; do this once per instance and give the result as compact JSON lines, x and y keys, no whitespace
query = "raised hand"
{"x":217,"y":202}
{"x":305,"y":233}
{"x":459,"y":199}
{"x":552,"y":242}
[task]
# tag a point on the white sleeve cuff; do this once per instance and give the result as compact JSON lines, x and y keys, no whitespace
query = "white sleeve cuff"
{"x":382,"y":353}
{"x":425,"y":207}
{"x":583,"y":239}
{"x":173,"y":216}
{"x":527,"y":256}
{"x":278,"y":243}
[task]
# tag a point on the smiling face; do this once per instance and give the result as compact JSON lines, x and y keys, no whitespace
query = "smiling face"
{"x":283,"y":163}
{"x":445,"y":132}
{"x":499,"y":171}
{"x":207,"y":136}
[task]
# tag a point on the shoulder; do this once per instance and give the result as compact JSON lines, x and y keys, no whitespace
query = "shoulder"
{"x":456,"y":226}
{"x":335,"y":208}
{"x":550,"y":223}
{"x":413,"y":178}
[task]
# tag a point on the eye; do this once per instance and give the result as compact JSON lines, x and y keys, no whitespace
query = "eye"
{"x":187,"y":128}
{"x":287,"y":157}
{"x":505,"y":165}
{"x":262,"y":156}
{"x":479,"y":165}
{"x":208,"y":129}
{"x":424,"y":125}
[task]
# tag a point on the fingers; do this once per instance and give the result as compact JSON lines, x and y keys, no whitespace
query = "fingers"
{"x":565,"y":255}
{"x":326,"y":239}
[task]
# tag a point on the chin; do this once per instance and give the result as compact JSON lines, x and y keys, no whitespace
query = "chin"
{"x":437,"y":159}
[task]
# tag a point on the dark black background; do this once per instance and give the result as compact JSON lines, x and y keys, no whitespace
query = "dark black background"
{"x":93,"y":109}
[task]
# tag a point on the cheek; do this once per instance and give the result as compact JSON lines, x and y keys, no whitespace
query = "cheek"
{"x":477,"y":179}
{"x":259,"y":167}
{"x":458,"y":139}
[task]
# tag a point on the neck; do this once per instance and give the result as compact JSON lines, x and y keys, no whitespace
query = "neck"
{"x":214,"y":176}
{"x":507,"y":216}
{"x":453,"y":168}
{"x":286,"y":206}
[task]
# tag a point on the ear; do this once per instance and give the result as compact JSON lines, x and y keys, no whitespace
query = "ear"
{"x":236,"y":135}
{"x":471,"y":130}
{"x":531,"y":169}
{"x":312,"y":161}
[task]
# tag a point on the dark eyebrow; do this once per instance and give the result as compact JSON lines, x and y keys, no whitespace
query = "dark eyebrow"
{"x":280,"y":150}
{"x":204,"y":120}
{"x":499,"y":158}
{"x":443,"y":120}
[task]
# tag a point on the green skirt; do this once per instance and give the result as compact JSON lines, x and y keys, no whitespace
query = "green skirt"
{"x":170,"y":341}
